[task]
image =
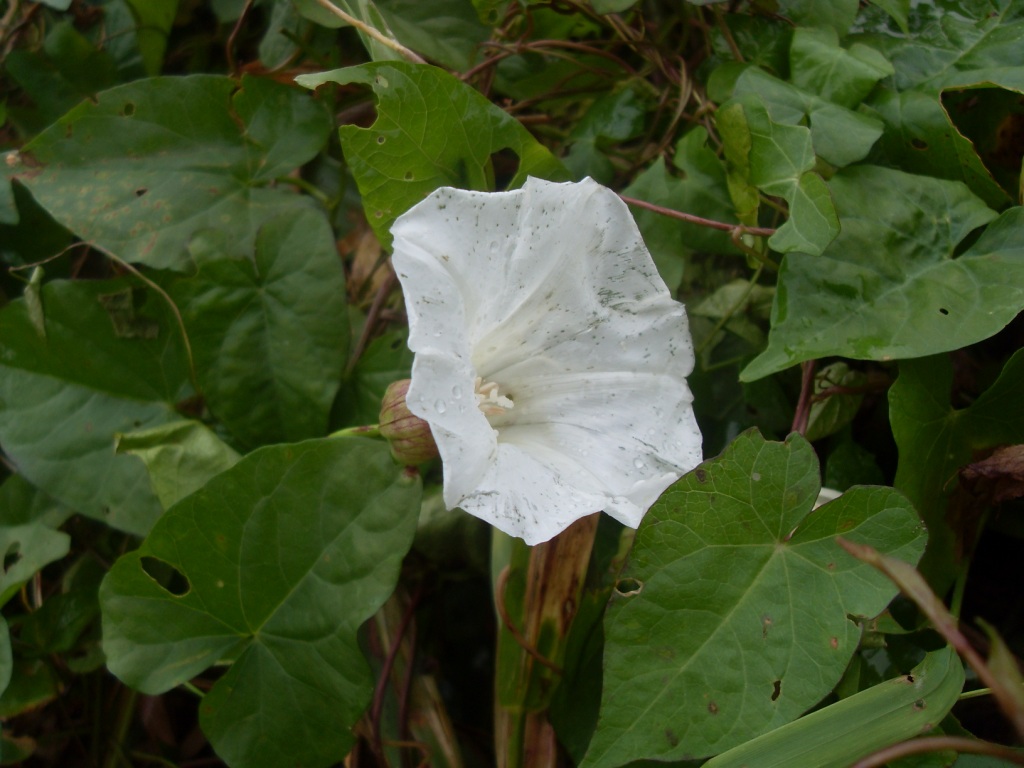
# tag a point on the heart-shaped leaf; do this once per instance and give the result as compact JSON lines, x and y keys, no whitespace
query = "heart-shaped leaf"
{"x":269,"y":333}
{"x":733,"y":616}
{"x":105,"y":358}
{"x":889,"y":287}
{"x":432,"y":130}
{"x":149,"y":164}
{"x":274,"y":563}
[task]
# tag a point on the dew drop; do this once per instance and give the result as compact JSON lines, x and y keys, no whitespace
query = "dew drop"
{"x":457,"y":392}
{"x":440,"y":406}
{"x":638,"y":464}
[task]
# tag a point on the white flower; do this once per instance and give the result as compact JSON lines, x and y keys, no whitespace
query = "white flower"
{"x":550,"y":359}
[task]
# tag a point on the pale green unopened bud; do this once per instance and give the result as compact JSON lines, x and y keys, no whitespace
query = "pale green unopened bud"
{"x":408,"y":435}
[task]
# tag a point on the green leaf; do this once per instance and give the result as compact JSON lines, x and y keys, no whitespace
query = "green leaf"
{"x":387,"y":359}
{"x":269,"y":332}
{"x":958,"y":44}
{"x":889,"y":287}
{"x":67,"y":69}
{"x":733,"y":616}
{"x":276,"y":564}
{"x":6,"y":656}
{"x":839,"y":135}
{"x":64,"y":398}
{"x":180,"y":457}
{"x":822,"y":67}
{"x":837,"y":14}
{"x":899,"y":10}
{"x":365,"y":11}
{"x":33,"y":682}
{"x":836,"y":409}
{"x":155,"y":19}
{"x":8,"y":206}
{"x":779,"y":161}
{"x":28,"y":536}
{"x":431,"y":131}
{"x":935,"y":440}
{"x":148,"y":165}
{"x":840,"y":734}
{"x":446,"y":31}
{"x":921,"y":138}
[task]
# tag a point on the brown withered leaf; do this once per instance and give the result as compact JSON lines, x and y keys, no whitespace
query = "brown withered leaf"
{"x":1000,"y":477}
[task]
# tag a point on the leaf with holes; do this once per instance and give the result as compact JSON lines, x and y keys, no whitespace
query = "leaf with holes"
{"x":953,"y":47}
{"x":108,"y":360}
{"x":274,"y":563}
{"x":431,"y":131}
{"x":734,"y":614}
{"x":269,"y":332}
{"x":889,"y":287}
{"x":147,"y":165}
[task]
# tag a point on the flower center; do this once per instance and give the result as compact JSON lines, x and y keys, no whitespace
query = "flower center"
{"x":488,"y":400}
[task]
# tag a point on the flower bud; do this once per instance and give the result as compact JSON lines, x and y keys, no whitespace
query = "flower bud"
{"x":408,"y":435}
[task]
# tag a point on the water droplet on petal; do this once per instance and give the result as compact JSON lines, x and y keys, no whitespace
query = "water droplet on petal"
{"x":456,"y":391}
{"x":638,"y":464}
{"x":440,"y":406}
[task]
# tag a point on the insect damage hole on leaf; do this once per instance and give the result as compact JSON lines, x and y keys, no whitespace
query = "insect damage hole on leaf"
{"x":776,"y":690}
{"x":12,"y":556}
{"x":165,"y":575}
{"x":628,"y":587}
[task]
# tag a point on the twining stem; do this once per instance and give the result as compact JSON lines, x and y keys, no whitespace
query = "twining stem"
{"x":802,"y":414}
{"x":928,"y":744}
{"x":369,"y":31}
{"x":698,"y":220}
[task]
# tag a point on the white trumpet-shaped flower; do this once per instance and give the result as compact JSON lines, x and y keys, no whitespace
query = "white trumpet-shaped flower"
{"x":550,"y":359}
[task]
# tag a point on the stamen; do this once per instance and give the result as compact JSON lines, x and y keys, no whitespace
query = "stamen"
{"x":488,"y":399}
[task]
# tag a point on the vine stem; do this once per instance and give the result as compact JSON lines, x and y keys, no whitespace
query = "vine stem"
{"x":366,"y":430}
{"x":698,"y":220}
{"x":939,"y":744}
{"x":803,"y":406}
{"x":369,"y":31}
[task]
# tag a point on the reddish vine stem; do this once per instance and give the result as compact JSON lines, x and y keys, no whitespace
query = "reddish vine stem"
{"x":229,"y":52}
{"x":803,"y":405}
{"x":514,"y":630}
{"x":698,"y":220}
{"x":939,"y":744}
{"x":377,"y":707}
{"x":403,"y":701}
{"x":371,"y":316}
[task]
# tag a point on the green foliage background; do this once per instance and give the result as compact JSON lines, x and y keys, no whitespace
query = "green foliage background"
{"x":194,"y":228}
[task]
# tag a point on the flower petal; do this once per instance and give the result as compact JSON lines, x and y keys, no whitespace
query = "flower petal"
{"x":550,"y":293}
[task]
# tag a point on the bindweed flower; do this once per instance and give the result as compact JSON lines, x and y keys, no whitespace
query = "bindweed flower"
{"x":550,"y":359}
